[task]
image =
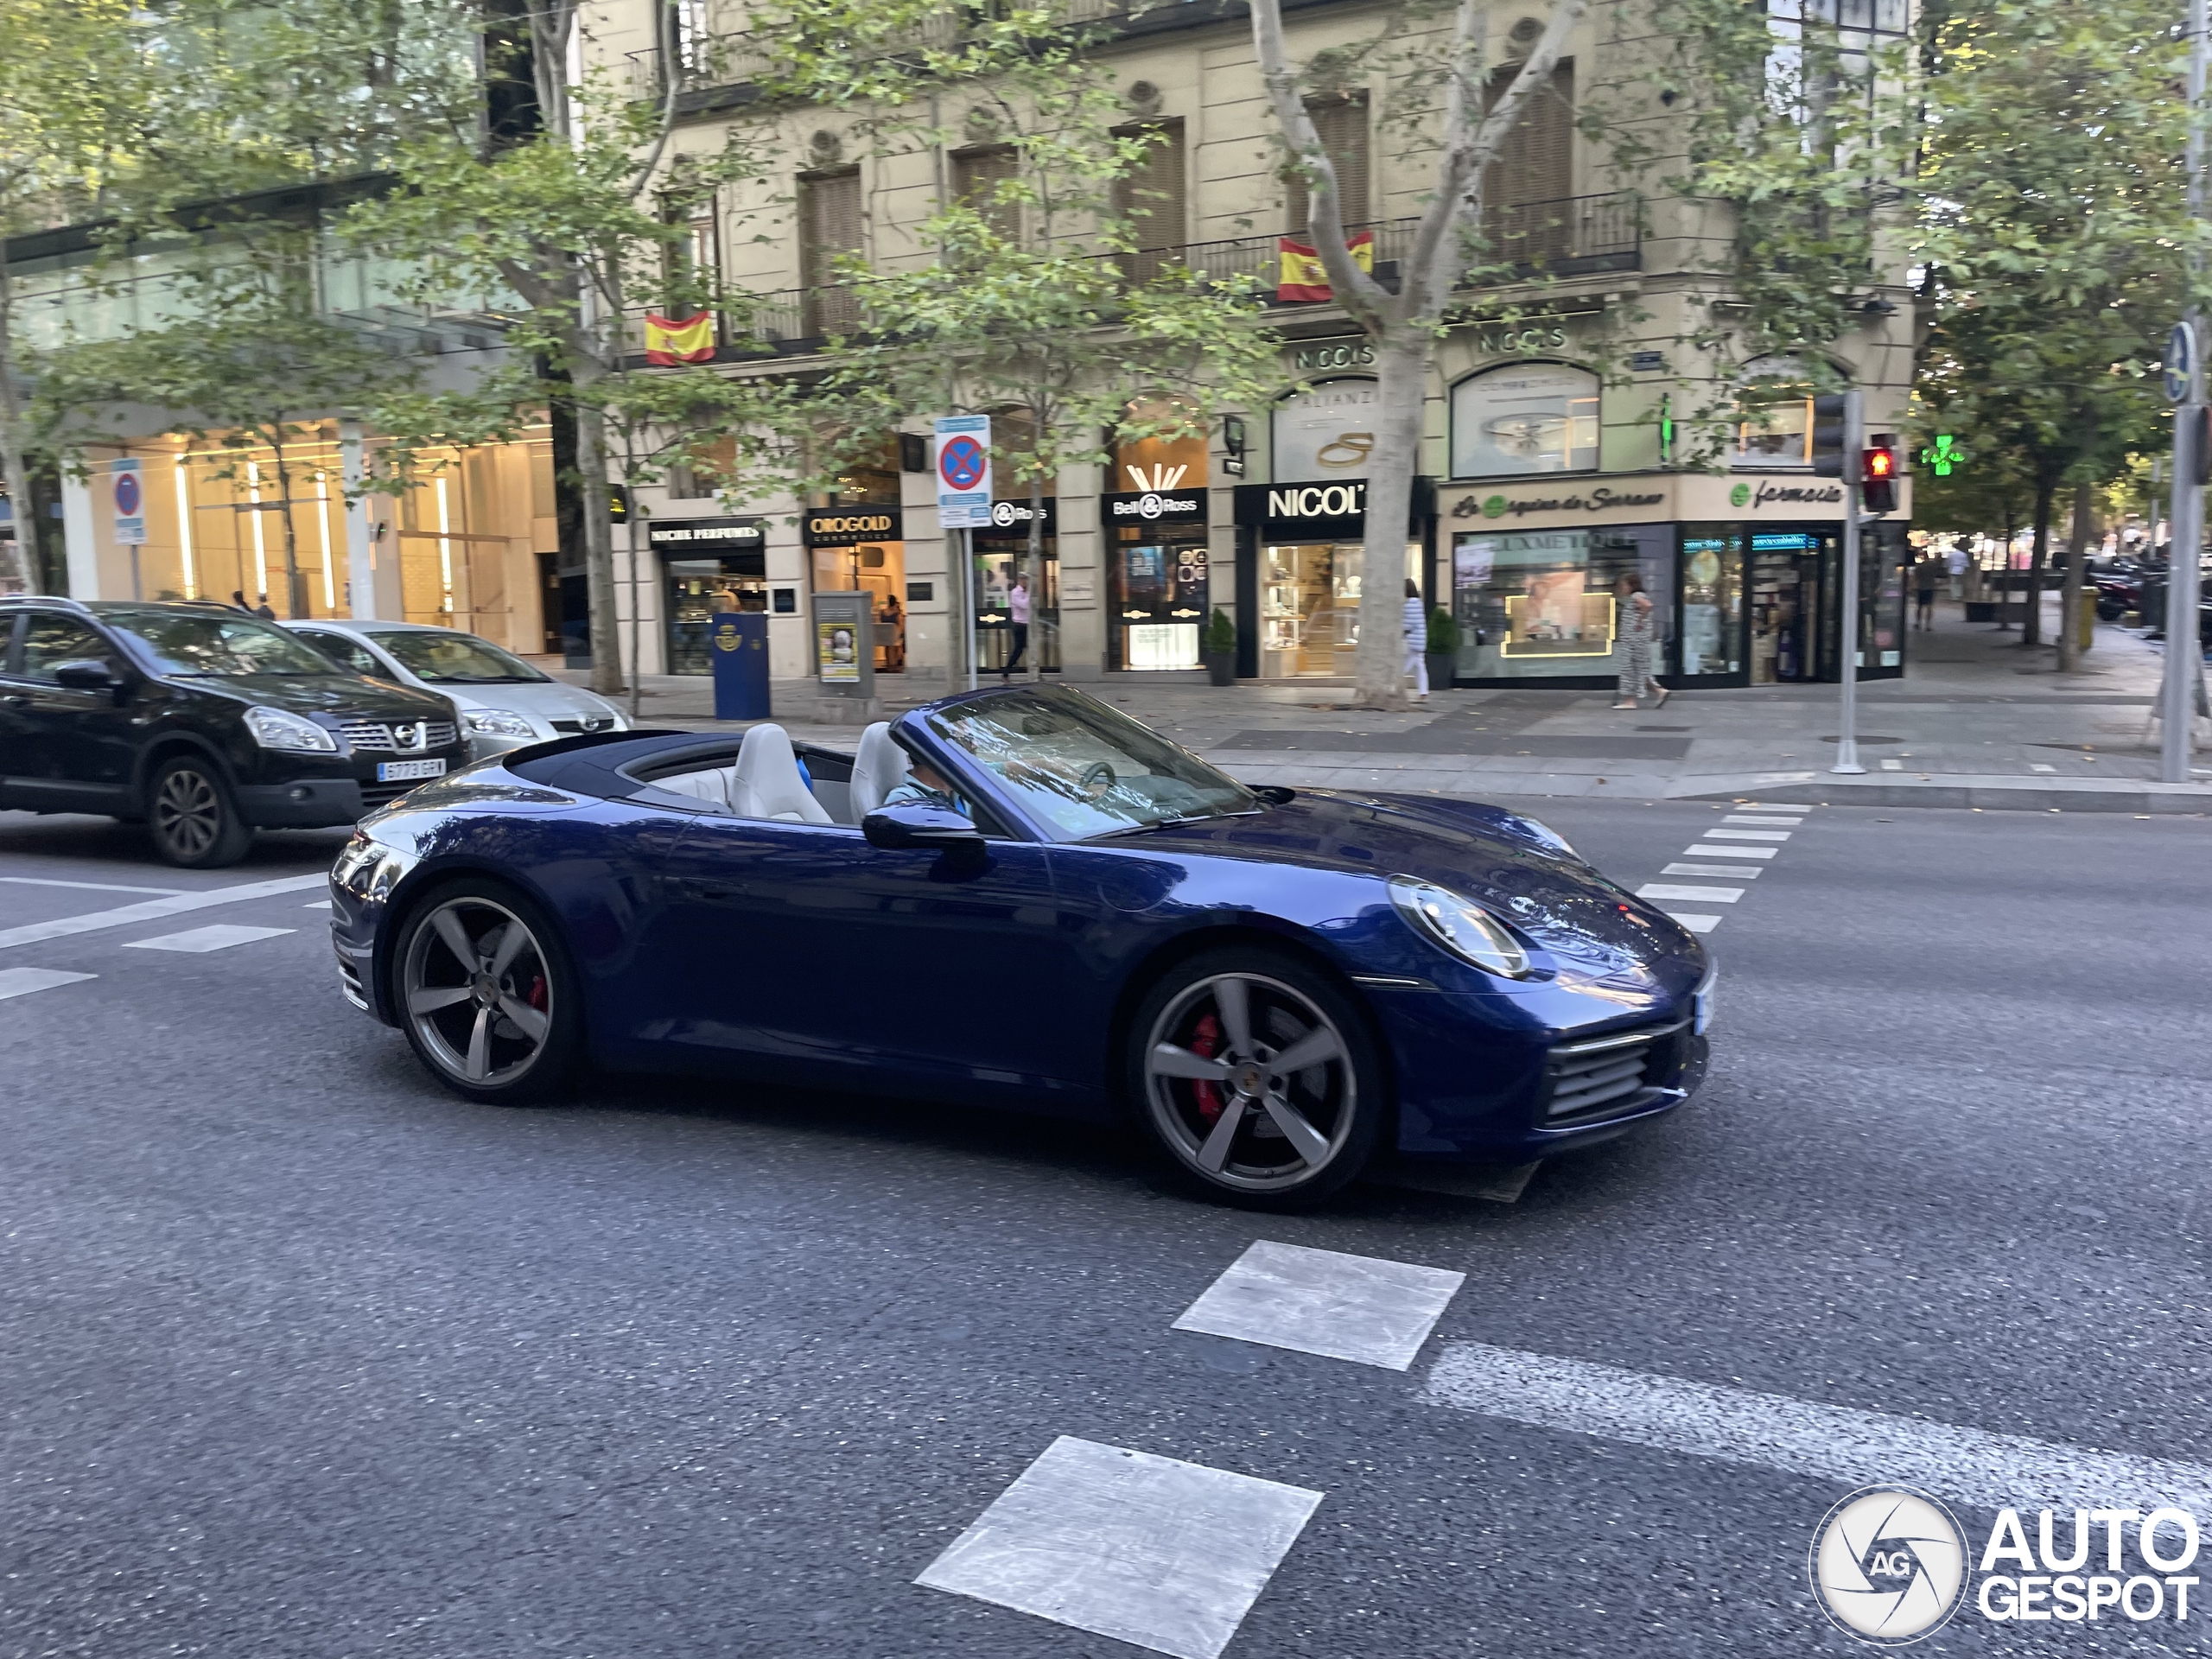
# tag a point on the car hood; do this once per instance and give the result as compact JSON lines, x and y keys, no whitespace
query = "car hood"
{"x":549,"y":701}
{"x":342,"y":695}
{"x":1507,"y":863}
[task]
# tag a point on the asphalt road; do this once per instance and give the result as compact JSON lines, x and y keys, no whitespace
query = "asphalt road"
{"x":303,"y":1357}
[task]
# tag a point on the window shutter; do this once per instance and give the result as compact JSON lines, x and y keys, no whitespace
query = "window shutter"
{"x":1535,"y":166}
{"x":976,"y":173}
{"x":830,"y":227}
{"x":1341,"y":124}
{"x":1152,"y":196}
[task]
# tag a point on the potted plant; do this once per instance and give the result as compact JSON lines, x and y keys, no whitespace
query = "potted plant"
{"x":1443,"y":648}
{"x":1218,"y":646}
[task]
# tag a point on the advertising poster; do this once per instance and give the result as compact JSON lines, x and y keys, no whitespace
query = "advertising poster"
{"x":835,"y":656}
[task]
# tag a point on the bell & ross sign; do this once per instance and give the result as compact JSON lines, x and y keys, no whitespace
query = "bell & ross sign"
{"x":850,"y":526}
{"x":1155,"y":507}
{"x":1010,"y":513}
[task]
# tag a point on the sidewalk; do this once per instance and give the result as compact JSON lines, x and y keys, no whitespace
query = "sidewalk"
{"x":1977,"y":722}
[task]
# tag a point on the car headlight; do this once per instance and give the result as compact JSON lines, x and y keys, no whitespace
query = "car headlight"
{"x":496,"y":723}
{"x":273,"y":729}
{"x":1461,"y":926}
{"x":368,"y":868}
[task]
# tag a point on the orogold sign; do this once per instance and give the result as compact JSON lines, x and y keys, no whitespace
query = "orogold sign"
{"x":872,"y":524}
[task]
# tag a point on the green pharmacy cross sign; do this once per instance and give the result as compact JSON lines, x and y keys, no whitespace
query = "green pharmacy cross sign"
{"x":1943,"y":455}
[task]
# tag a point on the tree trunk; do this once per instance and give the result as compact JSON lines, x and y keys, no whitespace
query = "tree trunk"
{"x":2075,"y":593}
{"x":2032,"y":621}
{"x":632,"y":522}
{"x":1401,"y":372}
{"x":1034,"y":574}
{"x":599,"y":532}
{"x":295,"y":586}
{"x":18,"y":558}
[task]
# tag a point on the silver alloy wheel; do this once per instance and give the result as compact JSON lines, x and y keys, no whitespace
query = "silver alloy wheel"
{"x":187,"y":813}
{"x":477,"y":991}
{"x":1249,"y":1082}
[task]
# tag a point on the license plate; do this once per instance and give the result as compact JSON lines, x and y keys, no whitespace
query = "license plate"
{"x":393,"y":772}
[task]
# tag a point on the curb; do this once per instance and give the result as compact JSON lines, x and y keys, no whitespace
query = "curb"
{"x":1956,"y":789}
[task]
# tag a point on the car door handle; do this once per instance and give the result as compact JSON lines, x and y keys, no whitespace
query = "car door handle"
{"x":16,"y":700}
{"x":715,"y":893}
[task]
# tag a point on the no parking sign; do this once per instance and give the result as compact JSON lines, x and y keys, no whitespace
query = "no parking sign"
{"x":963,"y":471}
{"x":130,"y":502}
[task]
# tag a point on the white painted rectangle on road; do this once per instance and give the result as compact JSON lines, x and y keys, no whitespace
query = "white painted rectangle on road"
{"x":1761,"y":817}
{"x":153,"y":910}
{"x":1703,"y":851}
{"x":1747,"y":834}
{"x":1695,"y":923}
{"x":1354,"y":1307}
{"x":197,"y":941}
{"x":22,"y":981}
{"x":1849,"y":1447}
{"x":1669,"y":890}
{"x":1167,"y":1555}
{"x":1742,"y":872}
{"x":87,"y":886}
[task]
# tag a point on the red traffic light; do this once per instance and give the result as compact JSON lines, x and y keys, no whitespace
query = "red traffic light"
{"x":1877,"y":474}
{"x":1881,"y":463}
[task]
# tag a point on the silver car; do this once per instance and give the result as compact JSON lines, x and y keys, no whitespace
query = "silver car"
{"x":503,"y":702}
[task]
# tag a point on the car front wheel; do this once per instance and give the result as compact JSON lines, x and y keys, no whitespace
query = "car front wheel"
{"x":486,"y":996}
{"x":1258,"y":1076}
{"x":194,"y":821}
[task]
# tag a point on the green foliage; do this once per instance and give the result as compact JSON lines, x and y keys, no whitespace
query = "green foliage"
{"x":1443,"y":632}
{"x":1221,"y":633}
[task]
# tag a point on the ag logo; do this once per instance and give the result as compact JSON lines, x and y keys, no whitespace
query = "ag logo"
{"x":1494,"y":507}
{"x":1889,"y":1565}
{"x":1001,"y":513}
{"x":1740,"y":496}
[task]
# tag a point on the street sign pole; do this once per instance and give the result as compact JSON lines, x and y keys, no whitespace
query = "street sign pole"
{"x":1854,"y":468}
{"x":2181,"y":695}
{"x":964,"y":505}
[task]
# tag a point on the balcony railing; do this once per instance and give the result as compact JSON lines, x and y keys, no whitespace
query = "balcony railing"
{"x":1573,"y":236}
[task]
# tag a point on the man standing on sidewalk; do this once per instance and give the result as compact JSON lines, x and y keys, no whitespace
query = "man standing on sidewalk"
{"x":1923,"y":594}
{"x":1017,"y":605}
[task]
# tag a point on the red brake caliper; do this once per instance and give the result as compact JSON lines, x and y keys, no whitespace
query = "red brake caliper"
{"x":1205,"y":1040}
{"x":537,"y":997}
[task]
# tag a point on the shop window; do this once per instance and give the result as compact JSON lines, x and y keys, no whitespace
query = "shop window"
{"x":867,"y":472}
{"x":1528,"y":417}
{"x":1326,"y":434}
{"x":1540,"y":604}
{"x":1341,"y":122}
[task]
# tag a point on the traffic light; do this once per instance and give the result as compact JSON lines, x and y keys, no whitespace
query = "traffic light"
{"x":1829,"y":434}
{"x":1878,"y":476}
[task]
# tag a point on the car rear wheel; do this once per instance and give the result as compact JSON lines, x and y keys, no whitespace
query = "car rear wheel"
{"x":486,"y":996}
{"x":1258,"y":1076}
{"x":194,"y":821}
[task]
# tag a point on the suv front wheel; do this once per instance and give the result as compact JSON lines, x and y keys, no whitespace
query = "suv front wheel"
{"x":194,"y":821}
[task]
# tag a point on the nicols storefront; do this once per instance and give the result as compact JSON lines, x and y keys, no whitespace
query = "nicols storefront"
{"x":1745,"y":572}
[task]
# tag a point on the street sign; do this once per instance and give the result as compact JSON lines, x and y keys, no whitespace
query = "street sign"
{"x":130,"y":503}
{"x":2181,"y":362}
{"x":963,"y":471}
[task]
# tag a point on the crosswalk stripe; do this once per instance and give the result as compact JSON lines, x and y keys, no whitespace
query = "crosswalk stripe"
{"x":1744,"y":872}
{"x":1760,"y":817}
{"x":1356,"y":1308}
{"x":87,"y":886}
{"x":1747,"y":835}
{"x":1667,"y":890}
{"x":153,"y":910}
{"x":22,"y":981}
{"x":1695,"y":923}
{"x":1703,"y":851}
{"x":197,"y":941}
{"x":1843,"y":1444}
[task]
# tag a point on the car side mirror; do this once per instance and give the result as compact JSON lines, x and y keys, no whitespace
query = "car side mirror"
{"x":908,"y":825}
{"x":84,"y":674}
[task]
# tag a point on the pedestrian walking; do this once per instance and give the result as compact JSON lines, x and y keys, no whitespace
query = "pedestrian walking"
{"x":237,"y":600}
{"x":1923,"y":594}
{"x":1632,"y":644}
{"x":1017,"y":605}
{"x":1416,"y":630}
{"x":263,"y":611}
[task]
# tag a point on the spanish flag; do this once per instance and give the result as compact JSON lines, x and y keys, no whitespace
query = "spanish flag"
{"x":668,"y":343}
{"x":1303,"y":276}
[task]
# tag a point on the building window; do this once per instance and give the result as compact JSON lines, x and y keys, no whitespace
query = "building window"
{"x":1774,"y":422}
{"x":1533,"y":175}
{"x":1341,"y":122}
{"x":1326,"y":434}
{"x":1152,"y":198}
{"x":704,"y":471}
{"x":983,"y":179}
{"x":830,"y":230}
{"x":1527,"y":418}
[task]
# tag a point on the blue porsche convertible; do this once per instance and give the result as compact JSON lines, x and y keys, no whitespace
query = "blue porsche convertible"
{"x":1024,"y":897}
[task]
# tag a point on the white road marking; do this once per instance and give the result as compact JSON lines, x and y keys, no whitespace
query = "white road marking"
{"x":316,"y":904}
{"x":1804,"y":1437}
{"x":1703,"y":851}
{"x":1892,"y":765}
{"x":88,"y":887}
{"x":152,"y":910}
{"x":1761,"y":817}
{"x":1354,"y":1307}
{"x":1746,"y":871}
{"x":22,"y":981}
{"x":1695,"y":923}
{"x":1667,"y":890}
{"x":1747,"y":835}
{"x":2038,"y":766}
{"x":1167,"y":1555}
{"x":197,"y":941}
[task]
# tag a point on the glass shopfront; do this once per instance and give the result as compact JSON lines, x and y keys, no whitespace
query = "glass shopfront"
{"x":1540,"y":605}
{"x":1303,"y":545}
{"x":999,"y":553}
{"x":1156,"y":548}
{"x":862,"y":548}
{"x":710,"y":566}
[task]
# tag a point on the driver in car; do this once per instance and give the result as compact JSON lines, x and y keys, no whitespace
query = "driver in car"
{"x":927,"y":786}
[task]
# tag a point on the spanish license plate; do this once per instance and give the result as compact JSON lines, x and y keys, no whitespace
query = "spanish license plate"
{"x":394,"y":772}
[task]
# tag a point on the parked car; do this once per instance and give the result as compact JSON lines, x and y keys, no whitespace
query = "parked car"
{"x":1022,"y":896}
{"x":503,"y":702}
{"x":201,"y":722}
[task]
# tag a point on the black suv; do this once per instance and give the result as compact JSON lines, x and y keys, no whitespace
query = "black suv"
{"x":201,"y":722}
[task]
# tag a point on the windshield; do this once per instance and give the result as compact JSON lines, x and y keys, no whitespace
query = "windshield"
{"x":455,"y":658}
{"x":1082,"y":768}
{"x":218,"y":644}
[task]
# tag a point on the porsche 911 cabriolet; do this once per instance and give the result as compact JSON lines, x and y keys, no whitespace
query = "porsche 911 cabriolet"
{"x":1022,"y":897}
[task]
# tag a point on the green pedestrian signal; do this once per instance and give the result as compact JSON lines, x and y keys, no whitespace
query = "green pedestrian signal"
{"x":1943,"y":455}
{"x":1666,"y":429}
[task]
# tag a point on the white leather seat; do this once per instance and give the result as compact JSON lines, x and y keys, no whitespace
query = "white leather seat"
{"x":766,"y":782}
{"x":880,"y":768}
{"x":711,"y":785}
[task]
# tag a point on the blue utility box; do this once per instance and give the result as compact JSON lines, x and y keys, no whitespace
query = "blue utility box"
{"x":737,"y":642}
